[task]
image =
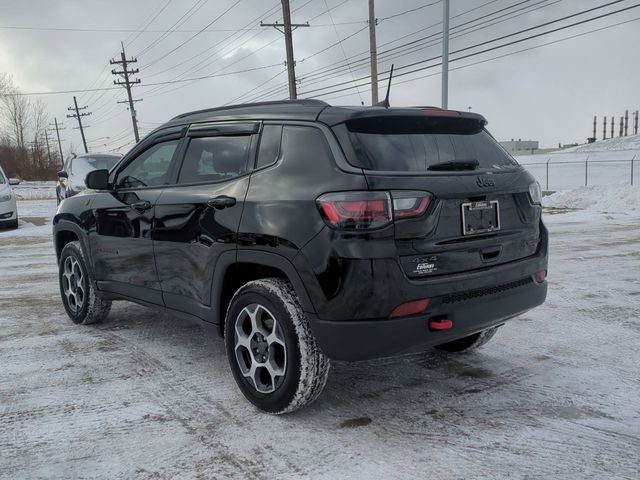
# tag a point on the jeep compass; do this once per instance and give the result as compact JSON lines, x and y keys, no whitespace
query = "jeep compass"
{"x":307,"y":232}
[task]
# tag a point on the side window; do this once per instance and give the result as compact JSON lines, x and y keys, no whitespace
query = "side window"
{"x":308,"y":143}
{"x":269,"y":145}
{"x":214,"y":159}
{"x":150,"y":168}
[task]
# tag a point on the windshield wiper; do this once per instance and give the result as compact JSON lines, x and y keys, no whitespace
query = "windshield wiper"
{"x":455,"y":165}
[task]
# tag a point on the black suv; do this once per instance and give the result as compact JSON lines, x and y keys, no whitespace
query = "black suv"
{"x":308,"y":232}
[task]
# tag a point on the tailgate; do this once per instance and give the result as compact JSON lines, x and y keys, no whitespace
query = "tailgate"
{"x":473,"y":222}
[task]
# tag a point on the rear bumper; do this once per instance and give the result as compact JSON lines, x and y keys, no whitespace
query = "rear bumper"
{"x":470,"y":311}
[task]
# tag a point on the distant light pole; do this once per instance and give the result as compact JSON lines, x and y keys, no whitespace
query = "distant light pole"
{"x":445,"y":54}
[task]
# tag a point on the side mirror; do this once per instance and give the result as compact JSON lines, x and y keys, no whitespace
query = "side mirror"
{"x":14,"y":181}
{"x":63,"y":174}
{"x":98,"y":180}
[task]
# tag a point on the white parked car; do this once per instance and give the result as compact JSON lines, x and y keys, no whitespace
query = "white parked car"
{"x":8,"y":207}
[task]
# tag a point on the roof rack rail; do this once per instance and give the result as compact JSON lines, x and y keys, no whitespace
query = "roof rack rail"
{"x":301,"y":102}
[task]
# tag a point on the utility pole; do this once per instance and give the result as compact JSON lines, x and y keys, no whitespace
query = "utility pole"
{"x":626,"y":122}
{"x":613,"y":123}
{"x":55,"y":119}
{"x":445,"y":54}
{"x":604,"y":128}
{"x":373,"y":49}
{"x":46,"y":137}
{"x":621,"y":126}
{"x":79,"y":116}
{"x":127,"y":83}
{"x":287,"y":30}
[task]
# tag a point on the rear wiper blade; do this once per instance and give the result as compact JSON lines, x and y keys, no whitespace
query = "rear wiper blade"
{"x":455,"y":165}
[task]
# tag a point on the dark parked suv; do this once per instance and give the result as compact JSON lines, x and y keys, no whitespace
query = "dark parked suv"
{"x":308,"y":232}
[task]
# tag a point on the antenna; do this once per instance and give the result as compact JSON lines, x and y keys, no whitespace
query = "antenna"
{"x":385,"y":102}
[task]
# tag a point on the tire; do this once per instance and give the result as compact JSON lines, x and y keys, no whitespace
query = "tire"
{"x":470,"y":343}
{"x":77,"y":289}
{"x":283,"y":370}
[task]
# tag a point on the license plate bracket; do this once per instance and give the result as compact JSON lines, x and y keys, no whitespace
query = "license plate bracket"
{"x":480,"y":217}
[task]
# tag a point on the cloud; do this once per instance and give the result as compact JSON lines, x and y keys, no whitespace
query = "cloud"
{"x":549,"y":94}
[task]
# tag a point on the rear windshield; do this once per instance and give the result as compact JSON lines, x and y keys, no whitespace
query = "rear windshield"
{"x":412,"y":144}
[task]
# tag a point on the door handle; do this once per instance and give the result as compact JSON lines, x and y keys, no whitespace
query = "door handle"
{"x":221,"y":202}
{"x":141,"y":206}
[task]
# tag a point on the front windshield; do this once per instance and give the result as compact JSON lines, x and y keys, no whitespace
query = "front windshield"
{"x":82,"y":165}
{"x":2,"y":177}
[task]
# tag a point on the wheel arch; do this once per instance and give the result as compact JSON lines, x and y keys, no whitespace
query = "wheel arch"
{"x":234,"y":271}
{"x":65,"y":232}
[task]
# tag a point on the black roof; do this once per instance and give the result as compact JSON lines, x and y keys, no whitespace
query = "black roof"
{"x":305,"y":110}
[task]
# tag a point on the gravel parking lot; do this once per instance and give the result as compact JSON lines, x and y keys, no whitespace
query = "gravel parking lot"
{"x":556,"y":394}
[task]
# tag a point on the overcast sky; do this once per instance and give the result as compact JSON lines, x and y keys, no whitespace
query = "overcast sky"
{"x":548,"y":94}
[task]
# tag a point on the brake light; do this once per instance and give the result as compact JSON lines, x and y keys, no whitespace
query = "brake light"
{"x":438,"y":112}
{"x":410,"y":308}
{"x":356,"y":210}
{"x":407,"y":204}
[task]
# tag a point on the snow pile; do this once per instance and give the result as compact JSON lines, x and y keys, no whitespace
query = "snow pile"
{"x":602,"y":198}
{"x":35,"y":190}
{"x":632,"y":142}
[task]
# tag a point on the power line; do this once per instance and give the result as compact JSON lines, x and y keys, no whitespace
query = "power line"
{"x":185,"y":16}
{"x":168,"y":82}
{"x":412,"y":10}
{"x":337,"y":67}
{"x":194,"y":35}
{"x":222,"y":43}
{"x":512,"y":35}
{"x":193,"y":69}
{"x":144,"y":29}
{"x":147,"y":22}
{"x":488,"y":59}
{"x":344,"y":53}
{"x":256,"y":88}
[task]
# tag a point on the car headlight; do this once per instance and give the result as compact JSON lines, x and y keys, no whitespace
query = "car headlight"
{"x":535,"y":193}
{"x":5,"y":198}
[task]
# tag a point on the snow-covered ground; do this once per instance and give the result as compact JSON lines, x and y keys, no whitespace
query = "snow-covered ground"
{"x":35,"y":190}
{"x":600,"y":198}
{"x":629,"y":143}
{"x":144,"y":395}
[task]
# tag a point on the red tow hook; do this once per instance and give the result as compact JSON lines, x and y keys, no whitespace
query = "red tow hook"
{"x":440,"y":324}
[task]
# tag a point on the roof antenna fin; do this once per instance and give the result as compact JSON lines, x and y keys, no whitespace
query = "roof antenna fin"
{"x":385,"y":102}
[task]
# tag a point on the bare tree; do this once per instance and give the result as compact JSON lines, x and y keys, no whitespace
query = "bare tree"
{"x":39,"y":121}
{"x":15,"y":111}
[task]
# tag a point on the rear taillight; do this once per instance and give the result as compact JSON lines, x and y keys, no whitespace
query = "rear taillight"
{"x":409,"y":204}
{"x":370,"y":210}
{"x":356,"y":210}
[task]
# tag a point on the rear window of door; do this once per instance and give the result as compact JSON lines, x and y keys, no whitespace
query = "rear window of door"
{"x":215,"y":159}
{"x":412,"y":144}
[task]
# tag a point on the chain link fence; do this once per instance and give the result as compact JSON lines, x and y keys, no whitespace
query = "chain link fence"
{"x":556,"y":174}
